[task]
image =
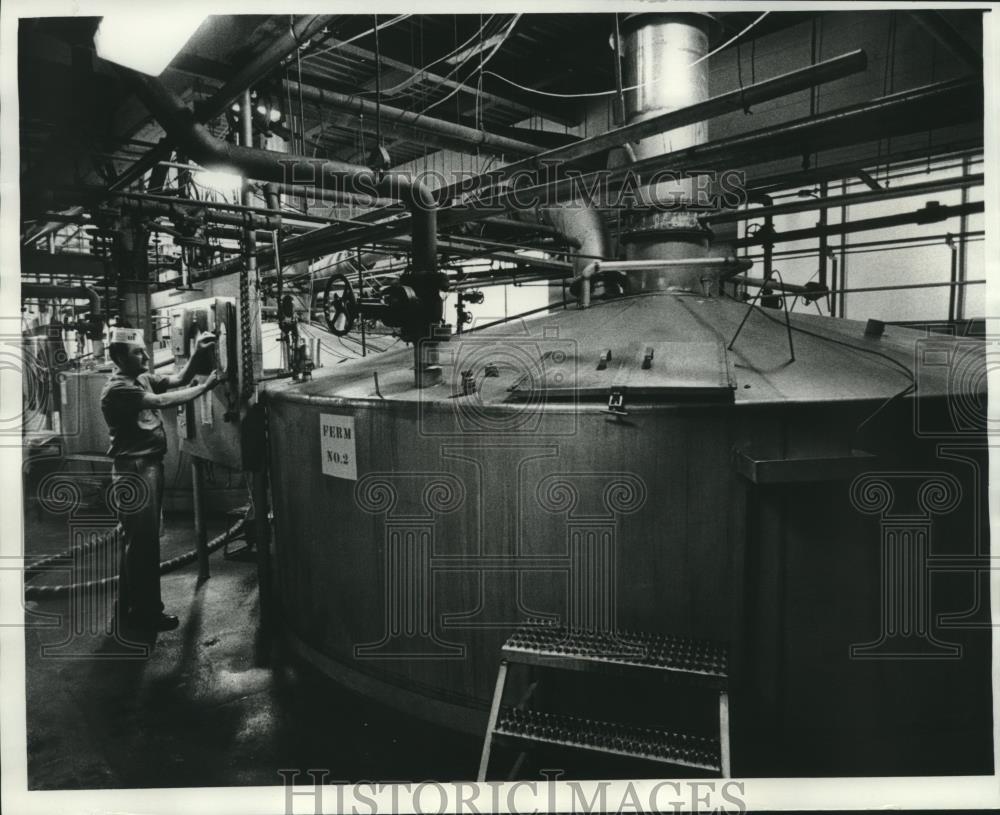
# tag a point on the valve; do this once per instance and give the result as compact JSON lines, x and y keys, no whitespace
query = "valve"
{"x":340,"y":305}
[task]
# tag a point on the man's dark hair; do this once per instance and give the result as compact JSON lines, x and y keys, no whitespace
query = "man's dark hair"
{"x":117,"y":350}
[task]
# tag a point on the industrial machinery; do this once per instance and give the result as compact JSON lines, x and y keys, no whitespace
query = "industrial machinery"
{"x":208,"y":428}
{"x":657,"y":458}
{"x":670,"y":460}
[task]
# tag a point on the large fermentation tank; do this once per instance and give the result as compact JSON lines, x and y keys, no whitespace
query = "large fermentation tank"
{"x":734,"y":495}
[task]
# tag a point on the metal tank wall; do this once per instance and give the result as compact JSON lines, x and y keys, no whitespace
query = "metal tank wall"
{"x":404,"y":583}
{"x":677,"y":534}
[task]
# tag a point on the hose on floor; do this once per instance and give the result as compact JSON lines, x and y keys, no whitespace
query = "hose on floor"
{"x":48,"y":592}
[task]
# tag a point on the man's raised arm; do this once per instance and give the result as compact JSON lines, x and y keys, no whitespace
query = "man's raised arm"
{"x":182,"y":395}
{"x":206,"y":342}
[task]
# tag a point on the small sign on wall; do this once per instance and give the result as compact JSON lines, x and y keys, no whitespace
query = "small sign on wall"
{"x":336,"y":444}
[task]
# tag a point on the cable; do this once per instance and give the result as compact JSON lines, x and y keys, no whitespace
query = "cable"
{"x":482,"y":63}
{"x":42,"y":592}
{"x":633,"y":87}
{"x":417,"y":76}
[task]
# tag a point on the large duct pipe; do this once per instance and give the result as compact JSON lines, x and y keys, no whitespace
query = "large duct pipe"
{"x":666,"y":65}
{"x":258,"y":67}
{"x":666,"y":57}
{"x":586,"y":228}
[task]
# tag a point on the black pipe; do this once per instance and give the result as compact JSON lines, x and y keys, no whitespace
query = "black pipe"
{"x":927,"y":214}
{"x":284,"y":44}
{"x":868,"y":196}
{"x":916,"y":110}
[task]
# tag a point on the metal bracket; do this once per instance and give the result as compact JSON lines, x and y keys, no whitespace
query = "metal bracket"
{"x":616,"y":402}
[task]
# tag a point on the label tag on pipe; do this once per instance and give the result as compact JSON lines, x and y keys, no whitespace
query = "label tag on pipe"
{"x":337,"y":446}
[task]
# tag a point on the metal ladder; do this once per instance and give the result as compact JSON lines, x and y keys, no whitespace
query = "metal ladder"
{"x":622,"y":654}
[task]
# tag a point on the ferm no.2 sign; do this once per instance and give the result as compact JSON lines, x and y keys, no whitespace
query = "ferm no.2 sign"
{"x":337,"y":446}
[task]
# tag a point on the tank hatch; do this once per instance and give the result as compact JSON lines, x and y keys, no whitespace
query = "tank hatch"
{"x":654,"y":370}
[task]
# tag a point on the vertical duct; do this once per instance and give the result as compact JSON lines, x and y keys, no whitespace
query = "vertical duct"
{"x":665,"y":57}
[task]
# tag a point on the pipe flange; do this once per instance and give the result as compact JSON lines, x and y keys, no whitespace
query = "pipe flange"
{"x":672,"y":225}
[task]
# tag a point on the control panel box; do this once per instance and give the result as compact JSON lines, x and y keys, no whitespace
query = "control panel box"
{"x":208,"y":427}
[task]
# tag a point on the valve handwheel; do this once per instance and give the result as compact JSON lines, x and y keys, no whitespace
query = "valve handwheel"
{"x":340,"y":306}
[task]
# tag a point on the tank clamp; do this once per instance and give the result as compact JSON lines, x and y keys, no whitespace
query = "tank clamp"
{"x":616,"y":402}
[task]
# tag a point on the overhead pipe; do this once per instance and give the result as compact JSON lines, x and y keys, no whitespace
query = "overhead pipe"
{"x":258,"y":67}
{"x":908,"y":111}
{"x":915,"y":110}
{"x":826,"y":71}
{"x":513,"y":225}
{"x":925,"y":215}
{"x":856,"y":168}
{"x":925,"y":188}
{"x":64,"y":293}
{"x":55,"y":291}
{"x":331,"y":196}
{"x":267,"y":165}
{"x":415,"y":126}
{"x":782,"y":85}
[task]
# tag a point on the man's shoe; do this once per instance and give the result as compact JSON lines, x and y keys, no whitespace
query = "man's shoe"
{"x":165,"y":622}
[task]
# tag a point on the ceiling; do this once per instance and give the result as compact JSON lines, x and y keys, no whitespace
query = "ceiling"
{"x":81,"y":123}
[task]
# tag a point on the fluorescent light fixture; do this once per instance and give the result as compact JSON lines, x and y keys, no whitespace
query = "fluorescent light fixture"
{"x":145,"y":40}
{"x":474,"y":50}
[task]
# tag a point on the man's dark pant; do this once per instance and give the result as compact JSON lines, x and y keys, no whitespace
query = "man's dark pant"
{"x":139,"y":569}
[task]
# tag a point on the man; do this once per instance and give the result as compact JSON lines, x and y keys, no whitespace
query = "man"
{"x":131,"y":402}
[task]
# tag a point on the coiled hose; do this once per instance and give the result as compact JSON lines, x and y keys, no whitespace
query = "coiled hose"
{"x":48,"y":592}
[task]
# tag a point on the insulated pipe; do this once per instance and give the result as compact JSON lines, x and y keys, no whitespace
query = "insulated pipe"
{"x":667,"y":69}
{"x":416,"y":126}
{"x":584,"y":225}
{"x":286,"y":43}
{"x":778,"y":86}
{"x":266,"y":165}
{"x":283,"y":45}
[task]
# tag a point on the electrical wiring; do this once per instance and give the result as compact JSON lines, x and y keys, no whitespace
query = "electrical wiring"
{"x":614,"y":91}
{"x":482,"y":64}
{"x":419,"y":74}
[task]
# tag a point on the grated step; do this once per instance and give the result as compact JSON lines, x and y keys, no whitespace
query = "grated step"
{"x":629,"y":741}
{"x":556,"y":646}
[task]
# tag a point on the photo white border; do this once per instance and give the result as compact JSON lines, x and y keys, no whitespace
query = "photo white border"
{"x":778,"y":794}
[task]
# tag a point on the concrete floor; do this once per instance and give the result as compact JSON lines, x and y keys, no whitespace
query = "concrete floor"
{"x":201,"y":710}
